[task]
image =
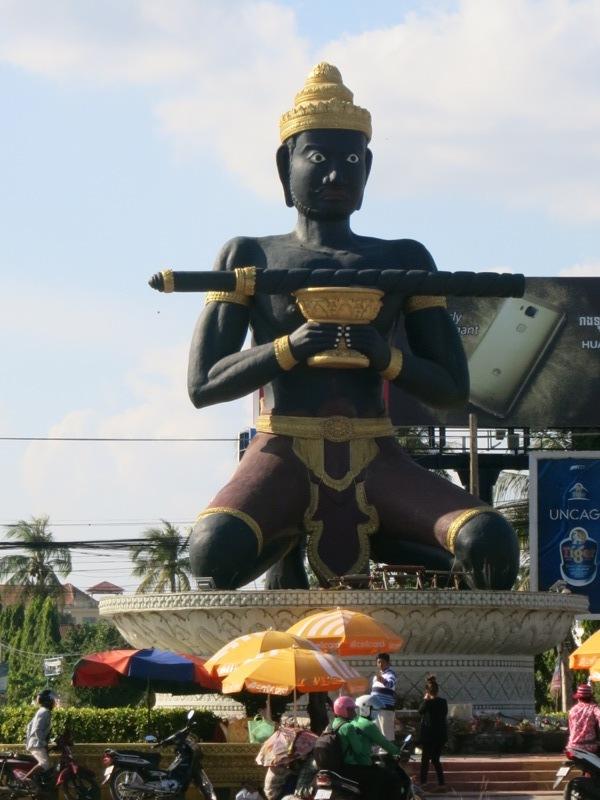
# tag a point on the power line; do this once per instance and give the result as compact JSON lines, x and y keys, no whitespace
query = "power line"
{"x":118,"y":439}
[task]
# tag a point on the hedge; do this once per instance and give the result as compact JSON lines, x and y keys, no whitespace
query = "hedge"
{"x":126,"y":724}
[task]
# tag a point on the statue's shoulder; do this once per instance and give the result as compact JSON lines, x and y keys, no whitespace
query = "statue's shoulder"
{"x":404,"y":253}
{"x":241,"y":251}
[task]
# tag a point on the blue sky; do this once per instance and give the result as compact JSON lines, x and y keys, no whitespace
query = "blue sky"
{"x":140,"y":134}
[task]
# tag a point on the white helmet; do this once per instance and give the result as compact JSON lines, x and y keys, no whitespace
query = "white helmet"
{"x":364,"y":705}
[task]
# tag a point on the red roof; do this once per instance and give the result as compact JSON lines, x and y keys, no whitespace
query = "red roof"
{"x":105,"y":587}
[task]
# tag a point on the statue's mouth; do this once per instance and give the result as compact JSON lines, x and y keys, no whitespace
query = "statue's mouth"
{"x":333,"y":193}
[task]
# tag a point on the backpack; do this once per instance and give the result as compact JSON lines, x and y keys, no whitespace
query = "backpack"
{"x":328,"y":751}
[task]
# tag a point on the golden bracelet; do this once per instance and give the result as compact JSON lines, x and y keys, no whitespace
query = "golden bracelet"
{"x":228,"y":297}
{"x":245,"y":280}
{"x":394,"y":368}
{"x":168,"y":281}
{"x":283,"y":353}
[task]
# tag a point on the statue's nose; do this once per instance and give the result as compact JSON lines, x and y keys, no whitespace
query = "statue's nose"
{"x":331,"y":177}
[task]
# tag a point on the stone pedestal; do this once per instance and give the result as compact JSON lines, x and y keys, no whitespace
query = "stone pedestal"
{"x":479,"y":644}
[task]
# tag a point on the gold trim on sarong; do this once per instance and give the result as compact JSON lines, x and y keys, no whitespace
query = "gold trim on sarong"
{"x":461,"y":520}
{"x":333,"y":429}
{"x":312,"y":454}
{"x":234,"y":512}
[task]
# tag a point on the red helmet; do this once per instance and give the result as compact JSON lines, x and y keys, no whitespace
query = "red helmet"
{"x":344,"y":707}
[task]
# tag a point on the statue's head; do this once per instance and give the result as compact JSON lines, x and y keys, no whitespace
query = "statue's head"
{"x":324,"y":160}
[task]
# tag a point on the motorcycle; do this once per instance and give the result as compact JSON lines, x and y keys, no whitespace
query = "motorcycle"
{"x":76,"y":782}
{"x":581,"y":787}
{"x":135,"y":775}
{"x":329,"y":785}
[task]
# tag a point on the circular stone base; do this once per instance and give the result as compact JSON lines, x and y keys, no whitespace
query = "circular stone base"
{"x":479,"y":644}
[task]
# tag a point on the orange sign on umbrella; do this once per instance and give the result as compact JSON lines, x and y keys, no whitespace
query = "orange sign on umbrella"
{"x":347,"y":633}
{"x":245,"y":647}
{"x":586,"y":654}
{"x":294,"y":669}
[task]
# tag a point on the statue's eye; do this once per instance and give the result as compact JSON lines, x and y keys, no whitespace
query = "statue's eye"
{"x":353,"y":158}
{"x":316,"y":157}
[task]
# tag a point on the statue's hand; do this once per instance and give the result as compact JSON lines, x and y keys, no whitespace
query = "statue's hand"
{"x":367,"y":340}
{"x":312,"y":338}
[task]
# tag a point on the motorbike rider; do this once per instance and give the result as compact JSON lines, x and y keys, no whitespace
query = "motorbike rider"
{"x":358,"y":735}
{"x":584,"y":720}
{"x":38,"y":733}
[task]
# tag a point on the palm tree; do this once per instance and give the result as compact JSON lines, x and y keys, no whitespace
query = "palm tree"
{"x":160,"y":561}
{"x":37,"y":570}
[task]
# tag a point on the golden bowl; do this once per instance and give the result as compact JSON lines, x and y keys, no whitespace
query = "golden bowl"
{"x":343,"y":305}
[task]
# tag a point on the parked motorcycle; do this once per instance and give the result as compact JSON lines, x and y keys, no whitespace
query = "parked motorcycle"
{"x":329,"y":785}
{"x":135,"y":775}
{"x":76,"y":782}
{"x":581,"y":787}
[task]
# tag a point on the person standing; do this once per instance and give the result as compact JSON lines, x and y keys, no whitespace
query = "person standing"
{"x":383,"y":696}
{"x":434,"y":731}
{"x":584,"y":720}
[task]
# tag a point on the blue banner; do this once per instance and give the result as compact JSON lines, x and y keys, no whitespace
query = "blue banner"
{"x":568,"y":525}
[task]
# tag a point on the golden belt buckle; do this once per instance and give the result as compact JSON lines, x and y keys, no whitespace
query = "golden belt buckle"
{"x":337,"y":429}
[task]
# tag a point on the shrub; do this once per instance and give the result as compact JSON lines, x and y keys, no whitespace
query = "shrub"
{"x":127,"y":724}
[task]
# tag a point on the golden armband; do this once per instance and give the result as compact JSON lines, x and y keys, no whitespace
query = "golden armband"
{"x":394,"y":368}
{"x":420,"y":302}
{"x":283,"y":353}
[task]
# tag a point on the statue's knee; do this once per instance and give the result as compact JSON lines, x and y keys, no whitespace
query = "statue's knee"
{"x":487,"y":548}
{"x":222,"y":546}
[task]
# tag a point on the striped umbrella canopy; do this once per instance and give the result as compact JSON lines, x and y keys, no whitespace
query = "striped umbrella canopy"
{"x":245,"y":647}
{"x":347,"y":633}
{"x":293,"y":669}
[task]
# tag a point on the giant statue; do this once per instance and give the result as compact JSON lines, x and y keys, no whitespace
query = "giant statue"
{"x":324,"y":473}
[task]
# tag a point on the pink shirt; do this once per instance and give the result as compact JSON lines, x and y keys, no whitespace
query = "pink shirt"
{"x":584,"y":725}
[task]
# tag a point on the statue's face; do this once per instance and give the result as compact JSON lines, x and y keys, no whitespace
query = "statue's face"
{"x":328,"y":173}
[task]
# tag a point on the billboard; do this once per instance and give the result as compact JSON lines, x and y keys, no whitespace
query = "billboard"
{"x":533,"y":361}
{"x":564,"y":522}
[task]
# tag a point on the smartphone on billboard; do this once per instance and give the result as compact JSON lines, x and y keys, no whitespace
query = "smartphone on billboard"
{"x":509,"y":353}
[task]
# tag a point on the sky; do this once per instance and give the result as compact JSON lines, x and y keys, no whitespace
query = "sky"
{"x":138,"y":135}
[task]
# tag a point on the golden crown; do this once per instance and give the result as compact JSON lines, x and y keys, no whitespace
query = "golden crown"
{"x":324,"y":102}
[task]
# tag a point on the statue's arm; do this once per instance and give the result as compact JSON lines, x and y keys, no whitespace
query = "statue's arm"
{"x":218,"y":369}
{"x":435,"y":371}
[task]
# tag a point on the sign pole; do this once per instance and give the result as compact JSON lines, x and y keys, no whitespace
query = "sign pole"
{"x":474,"y":459}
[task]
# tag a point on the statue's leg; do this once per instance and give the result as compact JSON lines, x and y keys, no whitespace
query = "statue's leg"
{"x":253,"y":521}
{"x":415,"y":505}
{"x":289,"y":572}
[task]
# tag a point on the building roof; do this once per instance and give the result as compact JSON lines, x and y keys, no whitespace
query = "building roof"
{"x":105,"y":587}
{"x":71,"y":596}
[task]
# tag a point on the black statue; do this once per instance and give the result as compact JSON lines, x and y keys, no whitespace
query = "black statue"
{"x":324,"y":469}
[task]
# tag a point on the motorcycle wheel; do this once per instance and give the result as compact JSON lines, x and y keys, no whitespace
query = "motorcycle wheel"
{"x":81,"y":787}
{"x":121,"y":781}
{"x":580,"y":789}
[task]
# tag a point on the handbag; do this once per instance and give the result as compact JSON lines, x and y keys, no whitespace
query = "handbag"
{"x":259,"y":729}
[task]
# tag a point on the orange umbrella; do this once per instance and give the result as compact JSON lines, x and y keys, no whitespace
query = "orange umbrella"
{"x":347,"y":633}
{"x":586,"y":654}
{"x":294,"y":669}
{"x":245,"y":647}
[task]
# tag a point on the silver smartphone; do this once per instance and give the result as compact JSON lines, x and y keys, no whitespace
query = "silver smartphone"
{"x":510,"y":351}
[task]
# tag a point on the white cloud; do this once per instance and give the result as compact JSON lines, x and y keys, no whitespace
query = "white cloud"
{"x":586,"y":269}
{"x":497,"y":98}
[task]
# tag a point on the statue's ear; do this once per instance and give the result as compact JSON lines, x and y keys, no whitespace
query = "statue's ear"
{"x":368,"y":165}
{"x":283,"y":168}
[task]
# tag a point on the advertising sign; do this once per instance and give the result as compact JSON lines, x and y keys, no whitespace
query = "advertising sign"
{"x":533,"y":361}
{"x":564,"y":522}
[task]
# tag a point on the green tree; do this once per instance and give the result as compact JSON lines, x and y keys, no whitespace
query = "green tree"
{"x":38,"y":638}
{"x":37,"y":570}
{"x":162,"y":561}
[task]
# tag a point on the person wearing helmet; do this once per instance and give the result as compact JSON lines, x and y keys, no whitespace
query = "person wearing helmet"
{"x":358,"y":736}
{"x":38,"y":732}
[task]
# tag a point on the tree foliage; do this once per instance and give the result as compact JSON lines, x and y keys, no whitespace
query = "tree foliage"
{"x":162,"y":561}
{"x":36,"y":571}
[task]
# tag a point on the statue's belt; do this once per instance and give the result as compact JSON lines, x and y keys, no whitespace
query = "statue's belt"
{"x":331,"y":429}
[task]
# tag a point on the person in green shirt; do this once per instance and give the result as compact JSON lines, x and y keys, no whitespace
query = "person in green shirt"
{"x":358,"y":735}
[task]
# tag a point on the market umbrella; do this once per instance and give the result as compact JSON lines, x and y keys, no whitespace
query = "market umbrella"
{"x":347,"y":633}
{"x":245,"y":647}
{"x":158,"y":669}
{"x":294,"y":669}
{"x":586,"y":654}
